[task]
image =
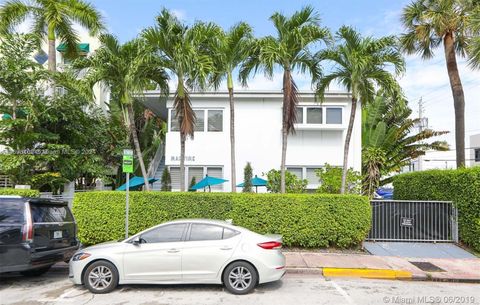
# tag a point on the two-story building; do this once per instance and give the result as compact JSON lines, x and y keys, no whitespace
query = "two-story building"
{"x":319,"y":137}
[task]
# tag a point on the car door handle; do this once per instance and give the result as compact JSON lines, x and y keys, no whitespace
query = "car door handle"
{"x":173,"y":251}
{"x":226,"y":248}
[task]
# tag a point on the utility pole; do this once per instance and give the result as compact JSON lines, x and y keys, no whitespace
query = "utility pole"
{"x":422,"y":124}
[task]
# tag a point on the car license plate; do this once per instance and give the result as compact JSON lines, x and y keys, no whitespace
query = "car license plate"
{"x":57,"y":234}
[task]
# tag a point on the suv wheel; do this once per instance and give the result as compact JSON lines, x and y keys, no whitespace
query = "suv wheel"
{"x":36,"y":272}
{"x":101,"y":277}
{"x":240,"y":278}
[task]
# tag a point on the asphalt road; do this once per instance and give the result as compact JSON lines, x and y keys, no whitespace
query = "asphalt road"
{"x":297,"y":289}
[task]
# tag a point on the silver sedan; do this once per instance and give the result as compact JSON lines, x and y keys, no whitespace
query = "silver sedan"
{"x":192,"y":251}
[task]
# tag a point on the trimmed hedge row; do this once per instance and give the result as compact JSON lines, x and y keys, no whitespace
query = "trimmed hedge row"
{"x":303,"y":220}
{"x":462,"y":186}
{"x":19,"y":192}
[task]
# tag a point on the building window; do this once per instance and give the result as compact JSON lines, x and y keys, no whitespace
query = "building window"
{"x":173,"y":121}
{"x":334,"y":115}
{"x":477,"y":155}
{"x":216,"y":172}
{"x":175,"y":177}
{"x":196,"y":172}
{"x":215,"y":120}
{"x":297,"y":171}
{"x":314,"y":115}
{"x":200,"y":121}
{"x":312,"y":177}
{"x":299,"y":115}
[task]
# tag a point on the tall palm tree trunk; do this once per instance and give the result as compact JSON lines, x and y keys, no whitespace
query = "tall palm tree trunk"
{"x":182,"y":161}
{"x":232,"y":134}
{"x":347,"y":144}
{"x":52,"y":53}
{"x":136,"y":143}
{"x":458,"y":98}
{"x":286,"y":94}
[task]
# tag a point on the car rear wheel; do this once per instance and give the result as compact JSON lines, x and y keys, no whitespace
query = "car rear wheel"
{"x":240,"y":278}
{"x":101,"y":277}
{"x":36,"y":272}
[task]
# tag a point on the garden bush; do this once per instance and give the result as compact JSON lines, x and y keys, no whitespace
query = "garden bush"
{"x":19,"y":192}
{"x":303,"y":220}
{"x":462,"y":186}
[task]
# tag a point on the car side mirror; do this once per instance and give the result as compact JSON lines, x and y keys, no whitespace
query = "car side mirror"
{"x":136,"y":241}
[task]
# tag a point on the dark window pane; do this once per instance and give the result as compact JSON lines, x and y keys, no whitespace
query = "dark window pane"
{"x":314,"y":115}
{"x":168,"y":233}
{"x":47,"y":213}
{"x":477,"y":155}
{"x":334,"y":115}
{"x":11,"y":211}
{"x":200,"y":123}
{"x":205,"y":232}
{"x":299,"y":115}
{"x":174,"y":126}
{"x":215,"y":120}
{"x":227,"y":233}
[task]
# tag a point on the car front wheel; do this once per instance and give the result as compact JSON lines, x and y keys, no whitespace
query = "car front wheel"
{"x":240,"y":278}
{"x":101,"y":277}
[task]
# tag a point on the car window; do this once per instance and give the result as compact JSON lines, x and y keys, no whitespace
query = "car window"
{"x":50,"y":213}
{"x":227,"y":233}
{"x":11,"y":211}
{"x":205,"y":232}
{"x":163,"y":234}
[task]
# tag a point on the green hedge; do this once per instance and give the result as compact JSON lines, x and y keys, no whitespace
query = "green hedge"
{"x":19,"y":192}
{"x":462,"y":186}
{"x":303,"y":220}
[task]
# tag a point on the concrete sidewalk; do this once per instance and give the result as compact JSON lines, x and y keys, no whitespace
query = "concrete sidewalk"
{"x":386,"y":267}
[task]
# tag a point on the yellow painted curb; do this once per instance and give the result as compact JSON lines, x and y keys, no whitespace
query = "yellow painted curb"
{"x":368,"y":273}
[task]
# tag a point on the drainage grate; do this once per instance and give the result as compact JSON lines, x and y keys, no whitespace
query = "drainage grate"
{"x":426,"y":266}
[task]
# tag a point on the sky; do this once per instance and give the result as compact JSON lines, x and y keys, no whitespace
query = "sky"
{"x":423,"y":79}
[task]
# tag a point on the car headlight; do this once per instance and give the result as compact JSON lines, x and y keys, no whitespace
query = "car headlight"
{"x":80,"y":256}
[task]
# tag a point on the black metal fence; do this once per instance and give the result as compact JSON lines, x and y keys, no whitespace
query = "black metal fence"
{"x":420,"y":221}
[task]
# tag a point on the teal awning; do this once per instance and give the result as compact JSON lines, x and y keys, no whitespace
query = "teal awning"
{"x":82,"y":47}
{"x":207,"y":182}
{"x":135,"y":183}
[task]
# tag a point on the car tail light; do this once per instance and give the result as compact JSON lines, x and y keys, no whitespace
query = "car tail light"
{"x":269,"y":245}
{"x":28,"y":226}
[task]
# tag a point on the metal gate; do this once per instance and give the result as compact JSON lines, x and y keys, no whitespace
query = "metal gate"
{"x":419,"y":221}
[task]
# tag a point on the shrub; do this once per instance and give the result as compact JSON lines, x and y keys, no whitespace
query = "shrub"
{"x":293,"y":184}
{"x":330,"y":178}
{"x":462,"y":186}
{"x":166,"y":180}
{"x":303,"y":220}
{"x":19,"y":192}
{"x":247,"y":178}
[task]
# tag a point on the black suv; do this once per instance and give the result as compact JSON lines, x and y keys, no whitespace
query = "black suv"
{"x":35,"y":233}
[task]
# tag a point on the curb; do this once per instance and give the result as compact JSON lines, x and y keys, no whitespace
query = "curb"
{"x":300,"y":270}
{"x":368,"y":273}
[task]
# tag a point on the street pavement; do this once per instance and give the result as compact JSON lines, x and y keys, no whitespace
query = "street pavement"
{"x":55,"y":288}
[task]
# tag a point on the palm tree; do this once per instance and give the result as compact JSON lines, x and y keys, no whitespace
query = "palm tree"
{"x":360,"y":65}
{"x":184,"y":52}
{"x":232,"y":49}
{"x":431,"y":23}
{"x":52,"y":19}
{"x":474,"y":49}
{"x":127,"y":70}
{"x":289,"y":51}
{"x":389,"y":141}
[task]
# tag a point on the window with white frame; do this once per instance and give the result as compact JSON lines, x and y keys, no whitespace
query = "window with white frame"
{"x":334,"y":115}
{"x":198,"y":172}
{"x":319,"y":115}
{"x":304,"y":172}
{"x":214,"y":120}
{"x":314,"y":115}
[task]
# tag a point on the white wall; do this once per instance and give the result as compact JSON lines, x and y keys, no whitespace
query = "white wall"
{"x":258,"y":122}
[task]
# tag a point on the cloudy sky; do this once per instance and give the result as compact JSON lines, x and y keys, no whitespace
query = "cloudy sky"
{"x":423,"y":79}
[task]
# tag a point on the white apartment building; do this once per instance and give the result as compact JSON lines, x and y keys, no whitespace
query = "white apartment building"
{"x":474,"y":150}
{"x":319,"y":138}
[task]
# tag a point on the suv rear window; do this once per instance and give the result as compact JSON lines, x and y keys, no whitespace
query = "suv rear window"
{"x":11,"y":211}
{"x":50,"y":213}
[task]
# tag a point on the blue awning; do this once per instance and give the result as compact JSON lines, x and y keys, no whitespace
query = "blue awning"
{"x":135,"y":183}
